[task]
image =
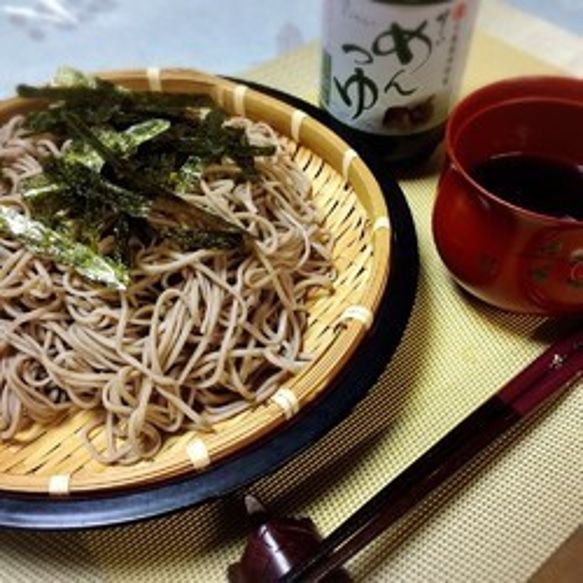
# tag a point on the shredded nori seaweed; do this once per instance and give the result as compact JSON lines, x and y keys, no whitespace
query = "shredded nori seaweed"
{"x":47,"y":242}
{"x":129,"y":155}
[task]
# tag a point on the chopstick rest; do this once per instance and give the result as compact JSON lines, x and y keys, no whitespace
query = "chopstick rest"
{"x":275,"y":545}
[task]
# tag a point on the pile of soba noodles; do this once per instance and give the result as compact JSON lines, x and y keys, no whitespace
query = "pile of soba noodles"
{"x":195,"y":337}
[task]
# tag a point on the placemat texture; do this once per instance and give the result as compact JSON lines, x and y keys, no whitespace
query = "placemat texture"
{"x":497,"y":521}
{"x":552,"y":31}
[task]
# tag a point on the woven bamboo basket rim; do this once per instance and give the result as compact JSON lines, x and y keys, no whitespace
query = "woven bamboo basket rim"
{"x":56,"y":463}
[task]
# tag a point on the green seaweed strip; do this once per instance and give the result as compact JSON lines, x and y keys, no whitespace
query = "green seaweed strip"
{"x":49,"y":243}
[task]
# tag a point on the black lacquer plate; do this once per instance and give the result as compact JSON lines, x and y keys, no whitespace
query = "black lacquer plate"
{"x":240,"y":470}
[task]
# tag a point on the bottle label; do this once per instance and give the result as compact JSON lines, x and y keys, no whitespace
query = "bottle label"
{"x":390,"y":68}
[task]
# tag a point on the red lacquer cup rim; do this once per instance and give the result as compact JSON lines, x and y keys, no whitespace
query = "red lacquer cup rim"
{"x":560,"y":90}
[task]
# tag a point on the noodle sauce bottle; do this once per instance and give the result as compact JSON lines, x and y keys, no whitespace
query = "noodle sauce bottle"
{"x":391,"y":70}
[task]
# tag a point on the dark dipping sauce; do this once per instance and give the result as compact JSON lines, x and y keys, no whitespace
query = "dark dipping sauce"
{"x":545,"y":186}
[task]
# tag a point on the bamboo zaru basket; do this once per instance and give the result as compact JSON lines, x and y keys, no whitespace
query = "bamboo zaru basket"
{"x":55,"y":462}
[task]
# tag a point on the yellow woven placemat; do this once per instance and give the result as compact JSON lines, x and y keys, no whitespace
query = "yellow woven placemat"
{"x":496,"y":522}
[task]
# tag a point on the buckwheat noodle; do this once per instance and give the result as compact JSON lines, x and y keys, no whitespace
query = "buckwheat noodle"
{"x":196,"y":338}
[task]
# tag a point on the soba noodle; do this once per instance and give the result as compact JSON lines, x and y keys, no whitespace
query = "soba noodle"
{"x":196,"y":338}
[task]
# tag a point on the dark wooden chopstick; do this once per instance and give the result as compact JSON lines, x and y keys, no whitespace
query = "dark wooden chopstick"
{"x":555,"y":369}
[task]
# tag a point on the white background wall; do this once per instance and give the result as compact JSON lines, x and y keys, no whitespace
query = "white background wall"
{"x":221,"y":36}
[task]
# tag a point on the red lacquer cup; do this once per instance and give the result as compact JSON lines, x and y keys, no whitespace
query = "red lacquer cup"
{"x":506,"y":254}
